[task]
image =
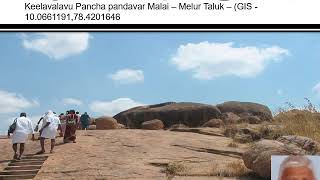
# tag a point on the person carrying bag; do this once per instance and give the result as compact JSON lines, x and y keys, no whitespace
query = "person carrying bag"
{"x":12,"y":127}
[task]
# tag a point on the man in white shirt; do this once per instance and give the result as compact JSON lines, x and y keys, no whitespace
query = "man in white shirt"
{"x":49,"y":130}
{"x":20,"y":134}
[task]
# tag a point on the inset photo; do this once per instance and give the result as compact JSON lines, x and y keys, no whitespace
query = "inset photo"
{"x":295,"y":167}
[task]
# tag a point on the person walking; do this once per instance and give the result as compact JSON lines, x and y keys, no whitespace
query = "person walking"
{"x":62,"y":118}
{"x":49,"y":130}
{"x":79,"y":122}
{"x":20,"y":135}
{"x":84,"y":119}
{"x":71,"y":127}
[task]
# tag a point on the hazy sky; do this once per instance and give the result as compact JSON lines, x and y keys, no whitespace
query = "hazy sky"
{"x":104,"y":73}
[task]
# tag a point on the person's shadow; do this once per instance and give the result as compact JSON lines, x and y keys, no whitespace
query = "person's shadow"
{"x":5,"y":161}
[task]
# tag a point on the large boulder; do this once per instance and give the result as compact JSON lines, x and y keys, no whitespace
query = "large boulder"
{"x":307,"y":144}
{"x":190,"y":114}
{"x":246,"y":108}
{"x":230,"y":118}
{"x":256,"y":135}
{"x":250,"y":120}
{"x":106,"y":122}
{"x":217,"y":123}
{"x":155,"y":124}
{"x":258,"y":157}
{"x":242,"y":134}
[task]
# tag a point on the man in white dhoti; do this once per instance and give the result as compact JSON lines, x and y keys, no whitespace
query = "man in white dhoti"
{"x":49,"y":130}
{"x":20,"y":134}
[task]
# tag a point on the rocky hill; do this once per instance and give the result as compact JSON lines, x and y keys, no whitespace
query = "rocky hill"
{"x":142,"y":154}
{"x":233,"y":140}
{"x":192,"y":114}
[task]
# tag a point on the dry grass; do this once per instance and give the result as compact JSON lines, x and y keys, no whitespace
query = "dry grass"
{"x":232,"y":129}
{"x":175,"y":168}
{"x":233,"y":144}
{"x":233,"y":169}
{"x":230,"y":169}
{"x":271,"y":131}
{"x":302,"y":122}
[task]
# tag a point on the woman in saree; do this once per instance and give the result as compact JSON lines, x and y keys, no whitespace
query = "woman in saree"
{"x":71,"y":127}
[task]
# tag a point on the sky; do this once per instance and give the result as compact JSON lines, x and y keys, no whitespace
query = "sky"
{"x":104,"y":73}
{"x":277,"y":160}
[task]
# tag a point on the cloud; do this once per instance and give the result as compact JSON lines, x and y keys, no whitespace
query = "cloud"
{"x":57,"y":45}
{"x":72,"y":101}
{"x":127,"y":76}
{"x":111,"y":108}
{"x":212,"y":60}
{"x":316,"y":89}
{"x":12,"y":102}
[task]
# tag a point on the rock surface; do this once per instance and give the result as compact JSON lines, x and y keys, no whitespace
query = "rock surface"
{"x":258,"y":157}
{"x":307,"y":144}
{"x":230,"y":118}
{"x":246,"y":108}
{"x":243,"y":138}
{"x":190,"y":114}
{"x":243,"y":134}
{"x":133,"y":153}
{"x":205,"y":131}
{"x":155,"y":124}
{"x":176,"y":126}
{"x":250,"y":120}
{"x":105,"y":122}
{"x":213,"y":123}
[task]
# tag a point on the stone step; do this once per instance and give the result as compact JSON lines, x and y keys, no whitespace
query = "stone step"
{"x":12,"y":177}
{"x":30,"y":167}
{"x":28,"y":160}
{"x":34,"y":157}
{"x":26,"y":168}
{"x":25,"y":163}
{"x":19,"y":172}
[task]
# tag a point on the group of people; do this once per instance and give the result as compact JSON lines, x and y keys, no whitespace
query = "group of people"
{"x":67,"y":124}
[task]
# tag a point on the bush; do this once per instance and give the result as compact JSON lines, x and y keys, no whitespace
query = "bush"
{"x":302,"y":122}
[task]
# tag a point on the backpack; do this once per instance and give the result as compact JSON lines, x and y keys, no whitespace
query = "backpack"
{"x":13,"y":126}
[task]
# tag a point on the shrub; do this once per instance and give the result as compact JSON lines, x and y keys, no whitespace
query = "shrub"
{"x":302,"y":122}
